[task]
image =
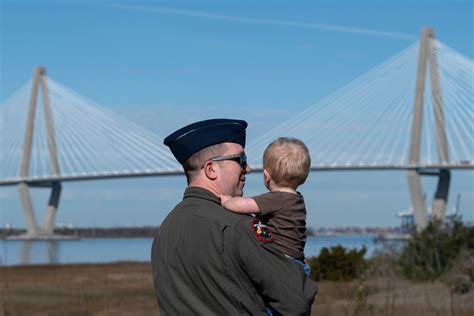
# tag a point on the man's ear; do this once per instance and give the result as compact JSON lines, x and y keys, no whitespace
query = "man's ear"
{"x":209,"y":170}
{"x":266,"y":177}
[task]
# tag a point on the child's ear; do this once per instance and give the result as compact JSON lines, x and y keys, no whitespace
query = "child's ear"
{"x":266,"y":176}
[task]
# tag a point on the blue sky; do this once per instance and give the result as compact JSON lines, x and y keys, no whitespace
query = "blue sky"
{"x":258,"y":60}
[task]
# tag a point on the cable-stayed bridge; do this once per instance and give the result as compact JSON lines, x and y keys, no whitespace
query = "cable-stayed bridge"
{"x":413,"y":112}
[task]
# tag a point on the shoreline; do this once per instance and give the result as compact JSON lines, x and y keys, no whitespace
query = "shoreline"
{"x":150,"y":231}
{"x":89,"y":232}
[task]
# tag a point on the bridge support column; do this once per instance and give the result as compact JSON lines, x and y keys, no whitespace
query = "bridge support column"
{"x":28,"y":211}
{"x":428,"y":53}
{"x":444,"y":176}
{"x":33,"y":231}
{"x":441,"y":195}
{"x":414,"y":181}
{"x":417,"y":201}
{"x":50,"y":215}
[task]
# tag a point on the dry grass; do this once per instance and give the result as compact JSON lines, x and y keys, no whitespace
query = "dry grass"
{"x":391,"y":296}
{"x":96,"y":289}
{"x":127,"y":289}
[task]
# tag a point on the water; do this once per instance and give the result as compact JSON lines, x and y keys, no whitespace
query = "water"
{"x":15,"y":252}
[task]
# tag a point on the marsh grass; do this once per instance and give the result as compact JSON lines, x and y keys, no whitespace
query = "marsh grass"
{"x":96,"y":289}
{"x":127,"y":289}
{"x":391,"y":296}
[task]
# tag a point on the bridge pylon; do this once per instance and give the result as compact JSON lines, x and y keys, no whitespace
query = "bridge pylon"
{"x":427,"y":58}
{"x":33,"y":230}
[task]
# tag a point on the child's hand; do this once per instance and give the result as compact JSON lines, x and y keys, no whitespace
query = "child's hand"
{"x":224,"y":198}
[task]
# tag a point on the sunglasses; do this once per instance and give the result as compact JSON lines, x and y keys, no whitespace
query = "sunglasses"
{"x":241,"y":159}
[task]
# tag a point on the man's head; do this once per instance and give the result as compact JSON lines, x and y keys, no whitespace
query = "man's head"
{"x":212,"y":154}
{"x":288,"y":162}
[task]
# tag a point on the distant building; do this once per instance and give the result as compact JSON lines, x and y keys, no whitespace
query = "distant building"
{"x":408,"y":220}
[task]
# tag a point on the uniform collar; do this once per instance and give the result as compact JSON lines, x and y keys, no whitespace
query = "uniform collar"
{"x":201,"y":193}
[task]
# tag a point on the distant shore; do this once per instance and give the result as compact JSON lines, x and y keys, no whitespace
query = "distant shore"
{"x":150,"y":231}
{"x":90,"y":232}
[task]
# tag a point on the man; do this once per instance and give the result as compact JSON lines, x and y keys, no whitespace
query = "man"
{"x":210,"y":261}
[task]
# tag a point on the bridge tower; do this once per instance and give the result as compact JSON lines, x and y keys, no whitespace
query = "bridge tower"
{"x":427,"y":58}
{"x":33,"y":230}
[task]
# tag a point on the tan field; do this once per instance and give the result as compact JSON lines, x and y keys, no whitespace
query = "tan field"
{"x":127,"y":289}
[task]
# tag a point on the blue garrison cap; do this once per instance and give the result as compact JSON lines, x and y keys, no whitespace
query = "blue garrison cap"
{"x":194,"y":137}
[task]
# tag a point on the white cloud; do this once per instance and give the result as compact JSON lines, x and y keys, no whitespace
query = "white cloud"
{"x":235,"y":19}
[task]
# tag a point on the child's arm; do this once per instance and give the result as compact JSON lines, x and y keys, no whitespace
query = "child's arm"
{"x":239,"y":204}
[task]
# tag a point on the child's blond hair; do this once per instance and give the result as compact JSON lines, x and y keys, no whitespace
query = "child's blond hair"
{"x":288,"y":161}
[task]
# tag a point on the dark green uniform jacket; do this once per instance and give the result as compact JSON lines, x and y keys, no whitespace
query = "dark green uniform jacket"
{"x":207,"y":260}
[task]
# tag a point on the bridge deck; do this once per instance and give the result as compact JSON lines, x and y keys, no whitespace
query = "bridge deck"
{"x":48,"y":180}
